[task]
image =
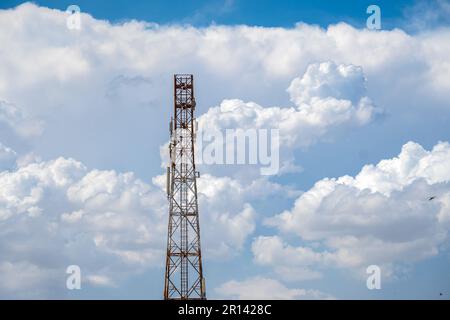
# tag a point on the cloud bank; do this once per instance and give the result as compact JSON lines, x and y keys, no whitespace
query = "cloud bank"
{"x":391,"y":213}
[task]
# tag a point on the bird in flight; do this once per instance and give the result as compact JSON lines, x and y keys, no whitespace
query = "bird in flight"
{"x":431,"y":198}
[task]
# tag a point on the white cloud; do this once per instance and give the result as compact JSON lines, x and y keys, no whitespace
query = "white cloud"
{"x":326,"y":96}
{"x":381,"y":216}
{"x":100,"y":280}
{"x":260,"y":288}
{"x":56,"y":213}
{"x":227,"y":211}
{"x":62,"y":55}
{"x":20,"y":123}
{"x":250,"y":63}
{"x":290,"y":263}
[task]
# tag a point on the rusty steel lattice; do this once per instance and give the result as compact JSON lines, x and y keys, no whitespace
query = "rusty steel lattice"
{"x":184,"y":274}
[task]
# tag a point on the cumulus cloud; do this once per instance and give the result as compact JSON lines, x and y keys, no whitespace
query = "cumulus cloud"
{"x":18,"y":121}
{"x":326,"y":96}
{"x":260,"y":288}
{"x":262,"y":53}
{"x":290,"y":263}
{"x":385,"y":215}
{"x":250,"y":63}
{"x":57,"y":213}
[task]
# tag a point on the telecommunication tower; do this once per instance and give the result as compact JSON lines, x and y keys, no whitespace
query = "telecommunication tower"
{"x":184,"y":274}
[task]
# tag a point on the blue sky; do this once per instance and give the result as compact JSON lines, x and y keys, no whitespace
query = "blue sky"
{"x":84,"y":113}
{"x":250,"y":12}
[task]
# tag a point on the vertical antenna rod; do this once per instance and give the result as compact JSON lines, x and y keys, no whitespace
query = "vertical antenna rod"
{"x":184,"y":274}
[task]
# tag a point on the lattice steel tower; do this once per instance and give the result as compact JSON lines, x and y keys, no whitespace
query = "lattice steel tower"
{"x":184,"y":275}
